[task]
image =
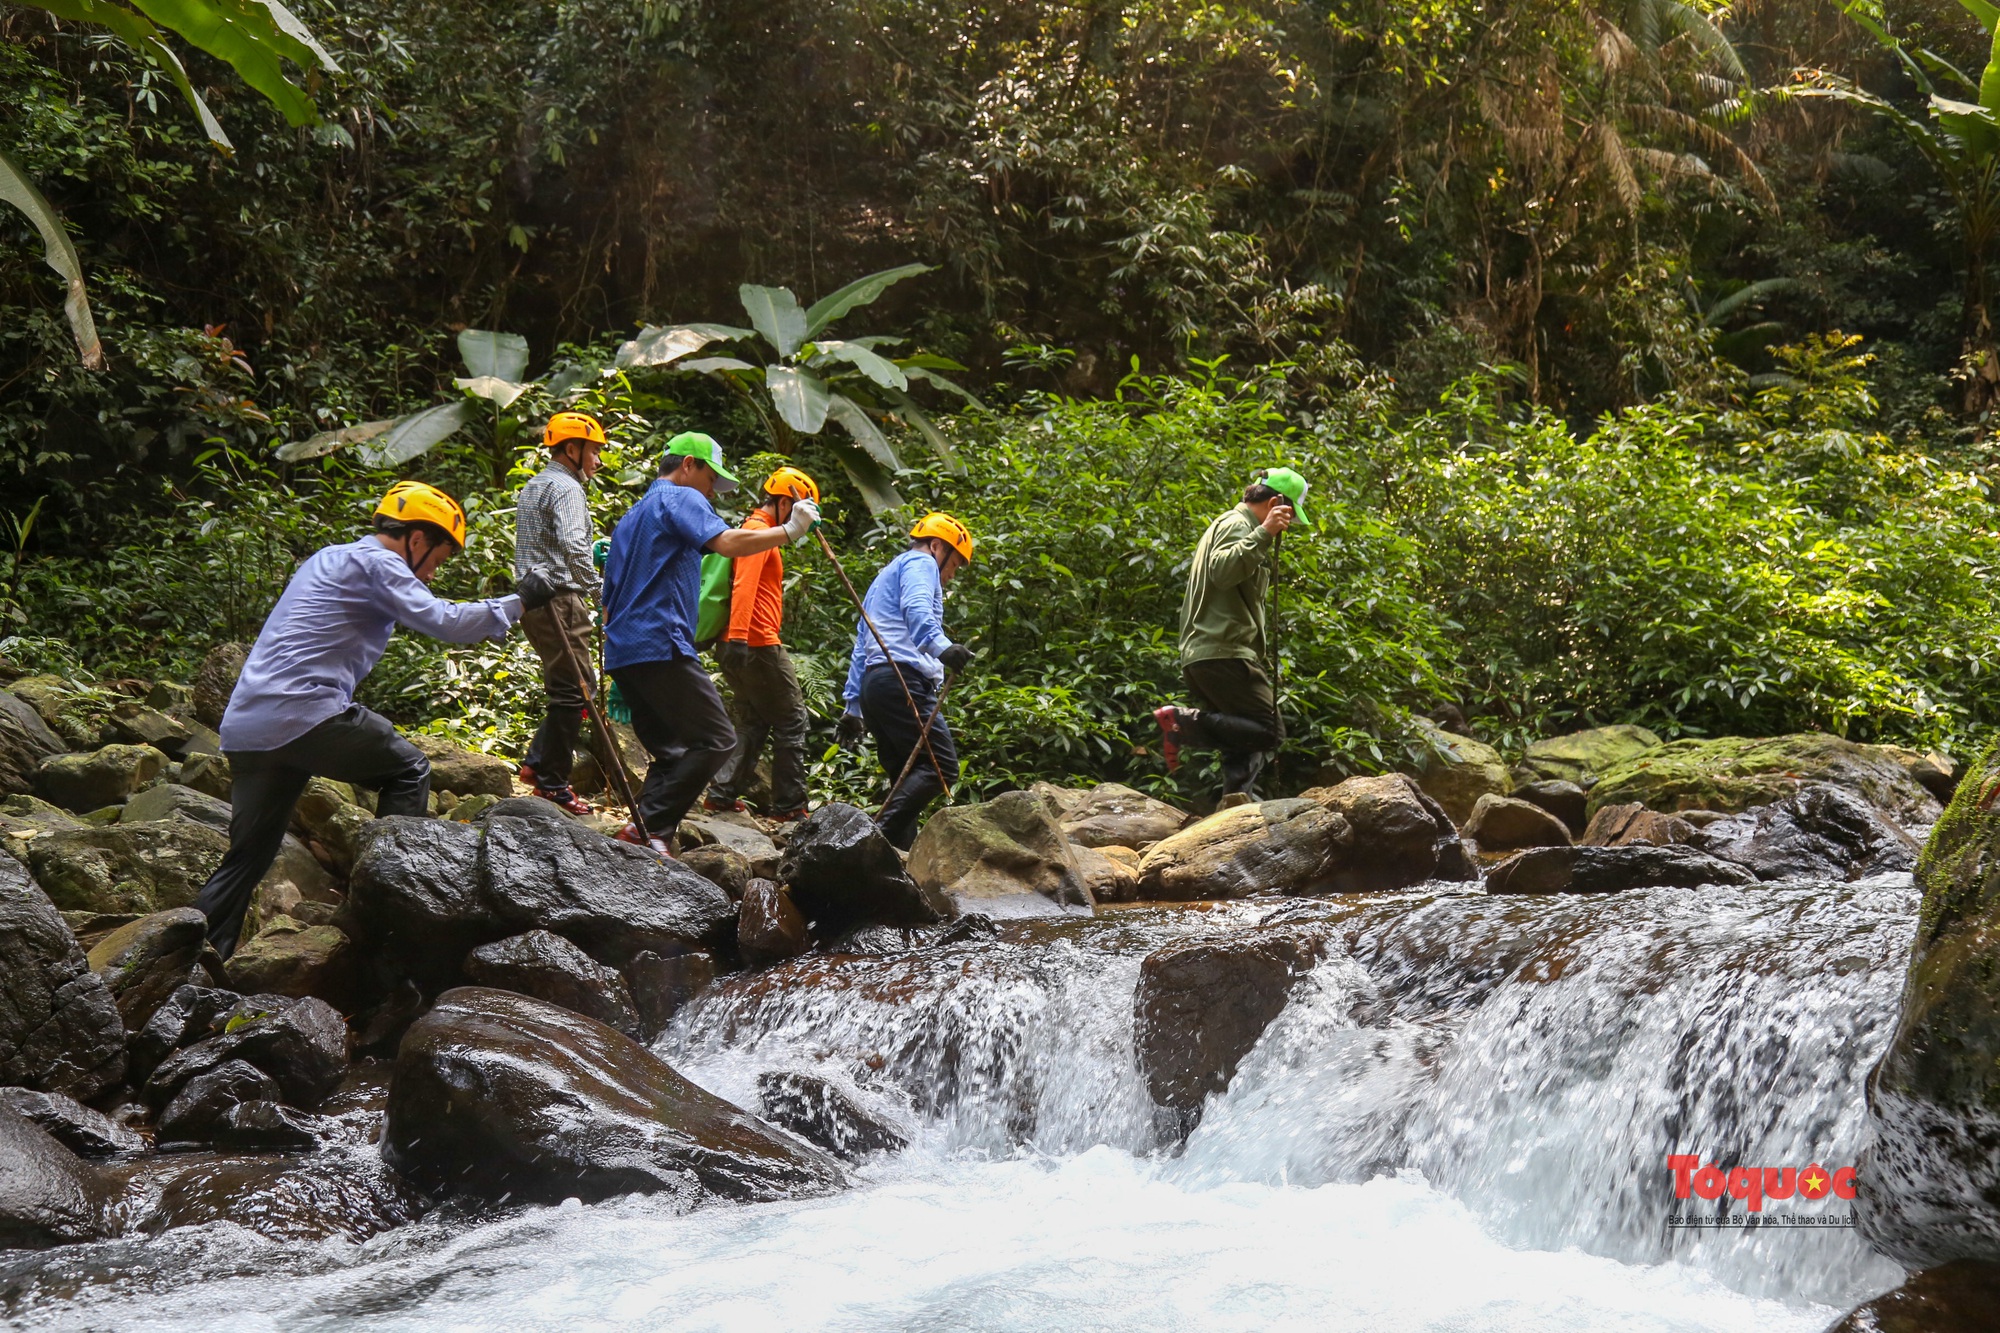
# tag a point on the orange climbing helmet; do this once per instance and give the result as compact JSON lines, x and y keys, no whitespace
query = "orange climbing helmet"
{"x":946,"y":529}
{"x":565,"y":426}
{"x":789,"y":481}
{"x":417,"y":502}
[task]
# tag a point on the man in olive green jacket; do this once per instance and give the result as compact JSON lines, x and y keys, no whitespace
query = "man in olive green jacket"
{"x":1222,"y":635}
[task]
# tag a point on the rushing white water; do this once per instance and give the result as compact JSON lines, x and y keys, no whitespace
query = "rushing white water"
{"x":1460,"y":1122}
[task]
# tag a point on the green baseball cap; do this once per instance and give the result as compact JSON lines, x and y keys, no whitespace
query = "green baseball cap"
{"x":693,"y":444}
{"x":1290,"y":485}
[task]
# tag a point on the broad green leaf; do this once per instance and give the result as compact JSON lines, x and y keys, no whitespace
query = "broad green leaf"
{"x":876,"y":367}
{"x":501,"y":393}
{"x":857,"y":293}
{"x":417,"y":433}
{"x":932,"y":377}
{"x":931,"y":361}
{"x":864,"y":430}
{"x":291,"y":25}
{"x":1972,"y":124}
{"x":776,"y":314}
{"x":877,"y":487}
{"x":1989,"y":79}
{"x":138,"y":32}
{"x":502,"y":356}
{"x":799,"y":396}
{"x":318,"y":446}
{"x":657,"y":346}
{"x":712,"y":365}
{"x":1987,"y":13}
{"x":244,"y":35}
{"x":918,"y":420}
{"x":60,"y":255}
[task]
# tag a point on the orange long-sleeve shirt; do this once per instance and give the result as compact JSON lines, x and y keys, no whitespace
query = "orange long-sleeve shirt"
{"x":757,"y":596}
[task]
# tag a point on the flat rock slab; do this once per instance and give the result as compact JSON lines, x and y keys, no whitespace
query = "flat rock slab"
{"x":1611,"y":870}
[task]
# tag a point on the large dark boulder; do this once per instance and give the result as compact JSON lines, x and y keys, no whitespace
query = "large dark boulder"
{"x":48,"y":1195}
{"x":1818,"y":832}
{"x":146,"y":961}
{"x":550,"y":968}
{"x":301,"y":1044}
{"x":1401,"y":836}
{"x":326,"y":1195}
{"x":614,"y":899}
{"x":77,"y":1127}
{"x":1930,"y":1183}
{"x":663,"y":985}
{"x":505,"y":1096}
{"x":1202,"y":1004}
{"x":414,"y":896}
{"x":1288,"y":846}
{"x":59,"y":1025}
{"x":821,"y":1113}
{"x":1611,"y":870}
{"x":185,"y":1017}
{"x":769,"y":929}
{"x":203,"y":1103}
{"x":1733,"y":773}
{"x":843,"y":873}
{"x":25,"y":740}
{"x":1959,"y":1297}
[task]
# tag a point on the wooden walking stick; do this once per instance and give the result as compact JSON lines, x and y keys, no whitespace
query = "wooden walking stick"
{"x":923,"y":743}
{"x":610,"y":738}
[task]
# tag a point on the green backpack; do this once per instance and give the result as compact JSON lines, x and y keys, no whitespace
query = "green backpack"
{"x":711,"y":621}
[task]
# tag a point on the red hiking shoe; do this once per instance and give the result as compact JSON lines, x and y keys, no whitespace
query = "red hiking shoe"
{"x":527,"y":776}
{"x":1169,"y":719}
{"x":564,"y":798}
{"x":788,"y":816}
{"x":659,"y":846}
{"x":731,"y":806}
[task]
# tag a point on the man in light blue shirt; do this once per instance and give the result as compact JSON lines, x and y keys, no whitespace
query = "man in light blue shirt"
{"x":292,"y":716}
{"x":892,"y":694}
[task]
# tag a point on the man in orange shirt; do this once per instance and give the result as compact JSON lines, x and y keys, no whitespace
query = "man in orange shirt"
{"x":767,"y":700}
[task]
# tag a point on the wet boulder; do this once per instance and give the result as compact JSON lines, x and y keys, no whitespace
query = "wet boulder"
{"x":136,"y":868}
{"x":186,"y":1016}
{"x":1930,"y":1184}
{"x":769,"y":929}
{"x":1565,"y":800}
{"x":1401,"y":835}
{"x":724,"y":867}
{"x":466,"y":772}
{"x":290,"y":957}
{"x":1288,"y":846}
{"x":1581,"y":757}
{"x":1002,"y":848}
{"x":1818,"y":832}
{"x":83,"y":1131}
{"x":664,"y":984}
{"x":215,"y":680}
{"x":1962,"y":1296}
{"x":25,"y":741}
{"x":415,"y":899}
{"x":48,"y":1195}
{"x":503,"y":1096}
{"x":145,"y":962}
{"x":1202,"y":1004}
{"x":1112,"y":815}
{"x":198,"y":1110}
{"x":550,"y":968}
{"x":1110,"y":873}
{"x":1611,"y":870}
{"x":60,"y":1028}
{"x":86,"y":782}
{"x":1505,"y":824}
{"x":614,"y":899}
{"x":1733,"y":773}
{"x":1458,"y":770}
{"x":822,"y":1114}
{"x":301,"y":1044}
{"x":348,"y":1196}
{"x":1632,"y":825}
{"x":329,"y":813}
{"x":843,"y":873}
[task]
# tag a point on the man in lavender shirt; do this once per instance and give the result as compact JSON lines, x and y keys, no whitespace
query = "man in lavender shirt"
{"x":292,"y":716}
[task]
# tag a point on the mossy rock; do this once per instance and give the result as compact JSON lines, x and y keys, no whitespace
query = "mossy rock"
{"x":1459,"y":771}
{"x":1583,"y":756}
{"x":1733,"y":773}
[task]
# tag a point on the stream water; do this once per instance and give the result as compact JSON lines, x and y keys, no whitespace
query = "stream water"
{"x":1461,"y":1122}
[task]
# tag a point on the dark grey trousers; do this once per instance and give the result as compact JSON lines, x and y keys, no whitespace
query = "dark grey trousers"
{"x":767,"y":705}
{"x":1238,"y":716}
{"x":897,"y":731}
{"x":679,"y":718}
{"x":356,"y":746}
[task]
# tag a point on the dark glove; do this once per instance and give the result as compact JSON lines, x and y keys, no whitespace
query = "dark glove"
{"x":955,"y":657}
{"x":535,"y":589}
{"x":852,"y":728}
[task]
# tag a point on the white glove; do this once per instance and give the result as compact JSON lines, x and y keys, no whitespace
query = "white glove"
{"x":805,"y":517}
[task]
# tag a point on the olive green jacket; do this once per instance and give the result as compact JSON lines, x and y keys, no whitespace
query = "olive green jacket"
{"x":1222,"y":614}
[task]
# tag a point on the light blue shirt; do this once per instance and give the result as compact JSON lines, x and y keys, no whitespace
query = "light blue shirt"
{"x":329,"y":630}
{"x":906,"y":602}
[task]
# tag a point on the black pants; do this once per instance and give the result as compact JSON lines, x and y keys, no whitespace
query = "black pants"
{"x":356,"y":746}
{"x":560,"y":633}
{"x":679,"y":718}
{"x":1238,"y":716}
{"x":896,"y":730}
{"x":767,"y":704}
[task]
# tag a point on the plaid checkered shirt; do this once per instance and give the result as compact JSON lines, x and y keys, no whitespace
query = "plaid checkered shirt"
{"x":552,"y":530}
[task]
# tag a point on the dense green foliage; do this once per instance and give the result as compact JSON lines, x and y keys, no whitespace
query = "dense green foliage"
{"x":1556,"y":304}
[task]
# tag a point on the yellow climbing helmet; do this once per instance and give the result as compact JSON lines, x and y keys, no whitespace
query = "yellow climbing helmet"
{"x":417,"y":502}
{"x":572,"y":426}
{"x":948,"y":530}
{"x":791,"y":482}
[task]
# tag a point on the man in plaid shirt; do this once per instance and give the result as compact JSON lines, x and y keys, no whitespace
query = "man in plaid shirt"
{"x":552,"y":535}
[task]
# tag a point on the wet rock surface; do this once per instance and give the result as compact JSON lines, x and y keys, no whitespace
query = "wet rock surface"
{"x":48,"y":1195}
{"x":550,"y":968}
{"x":1817,"y":832}
{"x":199,"y":1109}
{"x":85,"y":1132}
{"x":662,"y":985}
{"x":770,"y":929}
{"x":820,"y":1113}
{"x":1401,"y":835}
{"x":1288,"y":846}
{"x":1000,"y":848}
{"x":1959,"y":1297}
{"x":319,"y":1197}
{"x":842,"y":873}
{"x":1611,"y":870}
{"x":144,"y":963}
{"x":414,"y":896}
{"x":60,"y":1027}
{"x":185,"y":1017}
{"x":1634,"y":825}
{"x":500,"y":1095}
{"x":301,"y":1044}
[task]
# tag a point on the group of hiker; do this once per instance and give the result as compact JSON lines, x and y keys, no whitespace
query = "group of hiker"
{"x":292,"y":715}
